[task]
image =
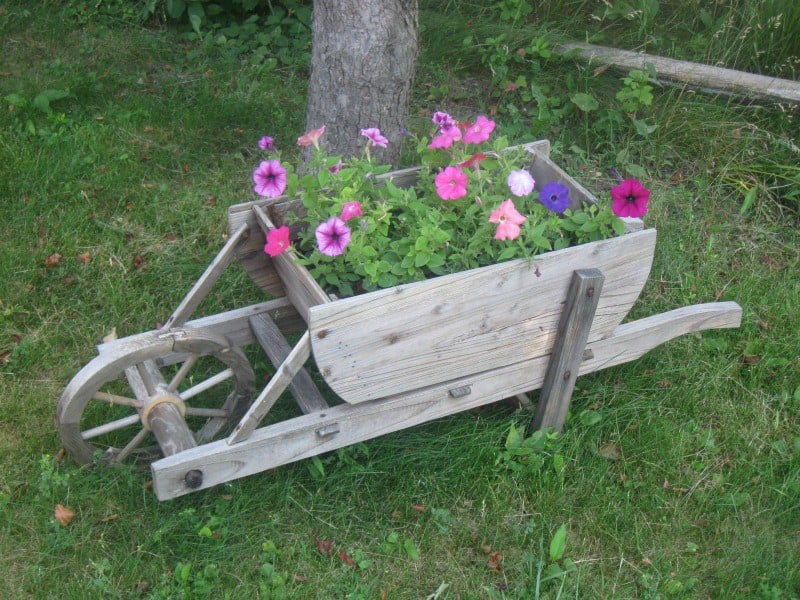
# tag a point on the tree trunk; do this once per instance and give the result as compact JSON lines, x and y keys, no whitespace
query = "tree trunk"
{"x":363,"y":56}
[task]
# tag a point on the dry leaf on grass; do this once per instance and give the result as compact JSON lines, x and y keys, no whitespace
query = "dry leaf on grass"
{"x":495,"y":562}
{"x":52,"y":261}
{"x":63,"y":515}
{"x":324,"y":546}
{"x":609,"y":451}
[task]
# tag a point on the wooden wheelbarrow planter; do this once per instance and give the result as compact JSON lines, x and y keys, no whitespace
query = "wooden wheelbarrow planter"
{"x":397,"y":357}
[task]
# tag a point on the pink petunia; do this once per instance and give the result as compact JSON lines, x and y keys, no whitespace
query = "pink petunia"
{"x":446,"y":138}
{"x":479,"y":131}
{"x":443,"y":120}
{"x":629,"y":199}
{"x":332,"y":236}
{"x":475,"y":159}
{"x":508,"y":221}
{"x":270,"y":178}
{"x":277,"y":241}
{"x":451,"y":184}
{"x":375,"y":137}
{"x":311,"y":138}
{"x":520,"y":182}
{"x":350,"y":210}
{"x":266,"y":143}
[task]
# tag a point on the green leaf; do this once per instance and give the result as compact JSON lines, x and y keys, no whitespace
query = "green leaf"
{"x":643,"y":128}
{"x":43,"y":99}
{"x":513,"y":439}
{"x":559,"y":543}
{"x":175,"y":8}
{"x":586,"y":102}
{"x":411,"y":549}
{"x":196,"y":15}
{"x":590,"y":417}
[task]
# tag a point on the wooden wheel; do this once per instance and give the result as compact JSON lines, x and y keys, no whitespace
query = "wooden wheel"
{"x":108,"y":409}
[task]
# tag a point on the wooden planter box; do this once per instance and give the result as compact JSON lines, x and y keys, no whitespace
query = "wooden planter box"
{"x":398,"y":357}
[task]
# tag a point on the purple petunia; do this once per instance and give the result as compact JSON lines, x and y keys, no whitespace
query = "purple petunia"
{"x":555,"y":197}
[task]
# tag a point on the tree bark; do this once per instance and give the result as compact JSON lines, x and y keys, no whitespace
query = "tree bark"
{"x":363,"y":57}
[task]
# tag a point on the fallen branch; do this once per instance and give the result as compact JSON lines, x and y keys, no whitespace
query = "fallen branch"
{"x":700,"y":76}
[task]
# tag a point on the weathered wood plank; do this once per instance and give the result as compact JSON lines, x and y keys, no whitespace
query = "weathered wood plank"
{"x":302,"y":387}
{"x":696,"y":75}
{"x":298,"y":438}
{"x":303,"y":291}
{"x":573,"y":332}
{"x":207,"y":280}
{"x":270,"y":394}
{"x":233,"y":325}
{"x":399,"y":339}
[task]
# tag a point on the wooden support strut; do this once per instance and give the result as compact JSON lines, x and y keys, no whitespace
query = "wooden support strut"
{"x":567,"y":356}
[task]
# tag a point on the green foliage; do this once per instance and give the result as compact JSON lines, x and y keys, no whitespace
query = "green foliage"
{"x":406,"y":234}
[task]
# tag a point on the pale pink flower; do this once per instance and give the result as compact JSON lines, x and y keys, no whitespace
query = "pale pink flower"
{"x":375,"y":137}
{"x":629,"y":199}
{"x":350,"y":210}
{"x":451,"y":184}
{"x":277,"y":241}
{"x":508,"y":221}
{"x":479,"y":131}
{"x":270,"y":178}
{"x":520,"y":182}
{"x":332,"y":236}
{"x":311,"y":138}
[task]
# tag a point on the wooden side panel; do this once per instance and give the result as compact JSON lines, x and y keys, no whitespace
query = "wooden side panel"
{"x":411,"y":336}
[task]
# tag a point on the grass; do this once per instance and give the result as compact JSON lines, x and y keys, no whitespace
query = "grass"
{"x":678,"y":475}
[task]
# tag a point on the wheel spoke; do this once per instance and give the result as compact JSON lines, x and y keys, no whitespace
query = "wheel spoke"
{"x":182,"y":372}
{"x":206,"y":412}
{"x":115,"y":399}
{"x":133,"y":444}
{"x":208,"y":383}
{"x":109,"y":427}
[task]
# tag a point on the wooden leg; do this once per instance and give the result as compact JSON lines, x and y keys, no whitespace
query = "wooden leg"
{"x":302,"y":387}
{"x":565,"y":360}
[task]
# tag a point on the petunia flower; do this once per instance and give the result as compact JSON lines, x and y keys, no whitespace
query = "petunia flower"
{"x":473,"y":160}
{"x":443,"y":120}
{"x":266,"y":143}
{"x":350,"y":210}
{"x":332,"y":236}
{"x":375,"y":137}
{"x":520,"y":182}
{"x":270,"y":178}
{"x":479,"y":131}
{"x":555,"y":197}
{"x":277,"y":241}
{"x":629,"y":199}
{"x":508,"y":221}
{"x":311,"y":138}
{"x":451,"y":184}
{"x":446,"y":138}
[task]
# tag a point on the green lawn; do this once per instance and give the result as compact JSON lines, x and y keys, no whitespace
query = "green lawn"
{"x":676,"y":476}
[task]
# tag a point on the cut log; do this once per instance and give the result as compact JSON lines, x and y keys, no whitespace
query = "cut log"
{"x":696,"y":75}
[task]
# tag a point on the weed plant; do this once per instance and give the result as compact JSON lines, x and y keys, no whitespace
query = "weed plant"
{"x":676,"y":476}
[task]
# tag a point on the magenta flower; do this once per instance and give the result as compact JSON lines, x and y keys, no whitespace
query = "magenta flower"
{"x":266,"y":143}
{"x":350,"y":210}
{"x":332,"y":236}
{"x":451,"y":184}
{"x":479,"y":131}
{"x":446,"y":138}
{"x":375,"y":137}
{"x":555,"y":197}
{"x":277,"y":241}
{"x":508,"y":221}
{"x":629,"y":199}
{"x":270,"y":178}
{"x":520,"y":182}
{"x":311,"y":138}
